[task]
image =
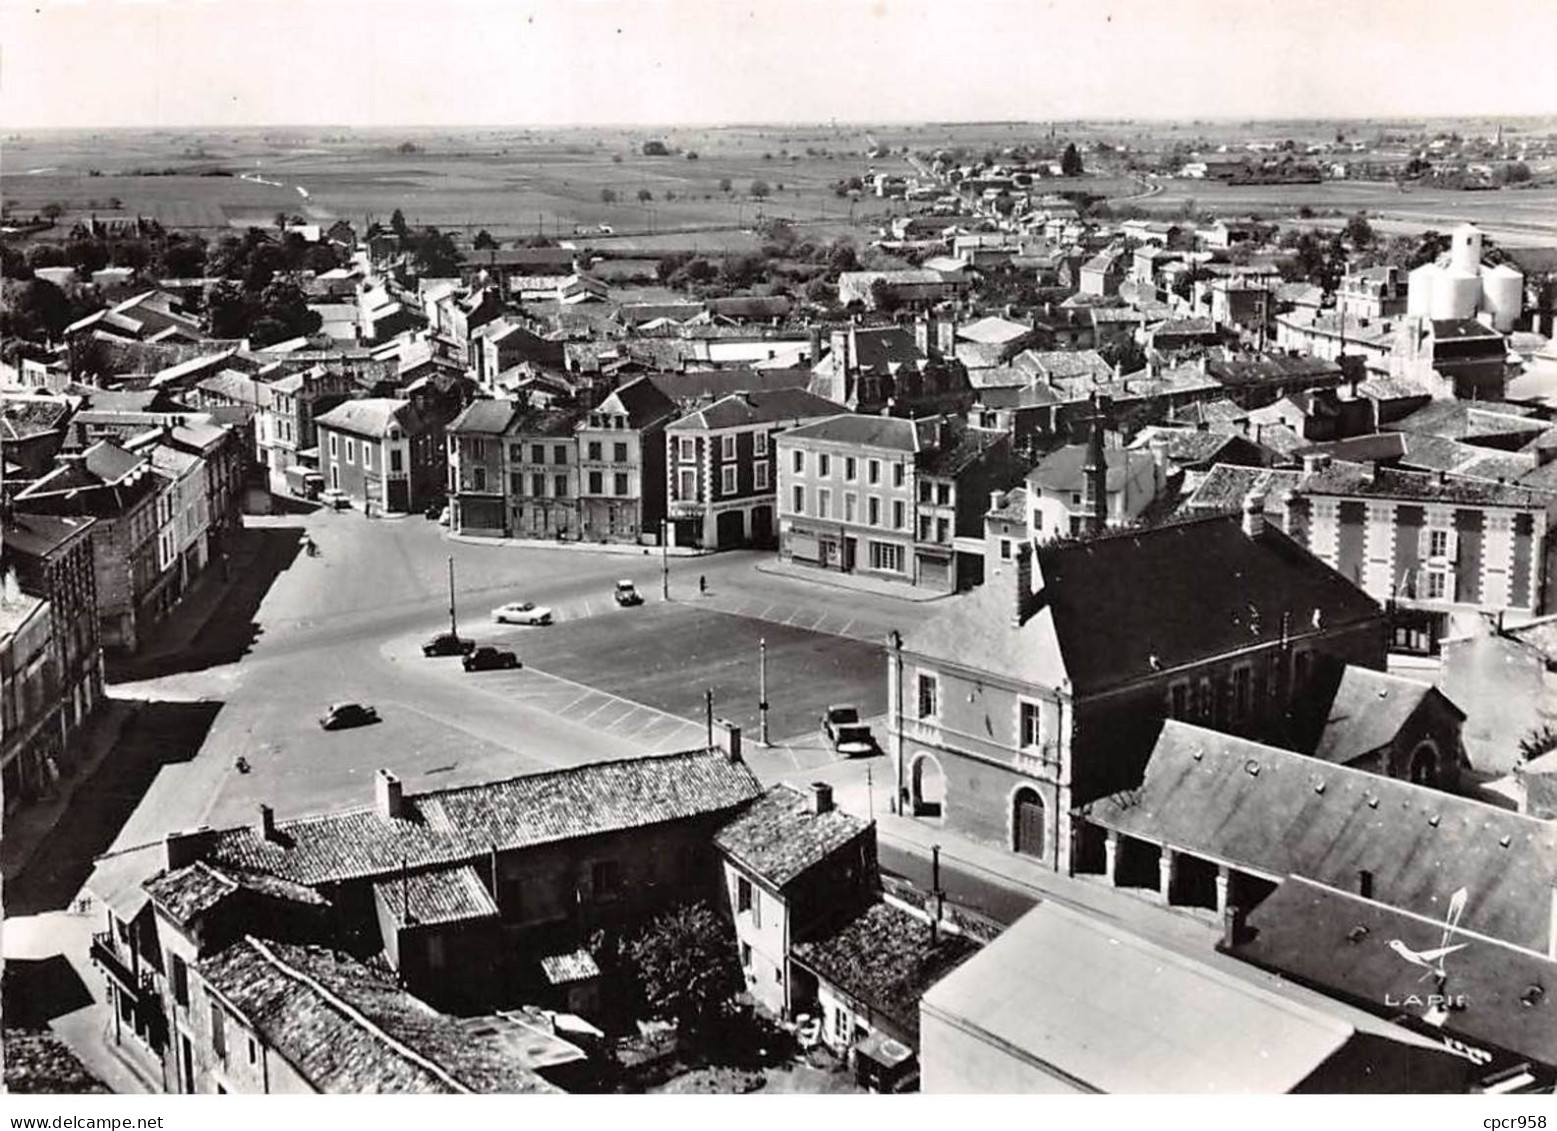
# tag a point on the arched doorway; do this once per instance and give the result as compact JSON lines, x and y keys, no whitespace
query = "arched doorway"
{"x":1029,"y":822}
{"x":927,"y":785}
{"x":1422,"y":768}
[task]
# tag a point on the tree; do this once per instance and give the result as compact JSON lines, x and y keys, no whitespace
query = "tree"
{"x":397,"y":224}
{"x":1514,"y":173}
{"x":691,"y":155}
{"x":34,"y":309}
{"x":435,"y":255}
{"x":228,"y":310}
{"x":484,"y":241}
{"x":1070,"y":161}
{"x":655,"y":149}
{"x":52,"y":211}
{"x":759,"y":189}
{"x":884,"y":297}
{"x":607,"y":196}
{"x":685,"y":964}
{"x":1359,"y":231}
{"x":644,"y":196}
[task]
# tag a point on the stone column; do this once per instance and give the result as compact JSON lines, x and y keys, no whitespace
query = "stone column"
{"x":1167,"y":867}
{"x":1223,"y":882}
{"x":1110,"y":856}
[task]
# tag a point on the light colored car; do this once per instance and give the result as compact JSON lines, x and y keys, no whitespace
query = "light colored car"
{"x":521,"y":612}
{"x":335,"y":498}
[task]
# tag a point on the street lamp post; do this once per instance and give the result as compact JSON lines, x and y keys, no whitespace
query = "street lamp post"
{"x":453,"y":624}
{"x":708,"y":709}
{"x":762,"y":689}
{"x":665,"y":558}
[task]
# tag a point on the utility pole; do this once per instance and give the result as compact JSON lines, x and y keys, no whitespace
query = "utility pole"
{"x":453,"y":625}
{"x":665,"y":558}
{"x":762,"y":691}
{"x":708,"y":712}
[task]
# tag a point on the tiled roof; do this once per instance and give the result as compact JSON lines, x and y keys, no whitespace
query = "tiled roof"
{"x":778,"y":837}
{"x":369,"y":416}
{"x":578,"y":966}
{"x":993,"y":331}
{"x":1278,"y":813}
{"x":1225,"y":487}
{"x":1061,"y":470}
{"x":39,"y":535}
{"x":1340,"y":944}
{"x":1367,"y":712}
{"x":1244,"y":372}
{"x":189,"y":891}
{"x":346,"y":1028}
{"x":446,"y":895}
{"x":457,"y":825}
{"x":760,"y":407}
{"x":886,"y":958}
{"x":1012,"y":508}
{"x":712,"y":384}
{"x":967,"y":447}
{"x":22,"y":417}
{"x":1385,"y":483}
{"x":1055,"y":364}
{"x":641,"y":401}
{"x":865,"y":431}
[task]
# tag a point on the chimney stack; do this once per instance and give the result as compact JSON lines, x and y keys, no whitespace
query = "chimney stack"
{"x":1022,"y":554}
{"x":265,"y":826}
{"x":821,"y":798}
{"x":388,"y":798}
{"x":1289,"y":503}
{"x":1254,"y":514}
{"x":996,"y":499}
{"x":1314,"y":463}
{"x":1365,"y":883}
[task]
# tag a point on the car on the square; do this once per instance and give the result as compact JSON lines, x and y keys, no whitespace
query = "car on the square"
{"x":335,"y":499}
{"x":844,"y":732}
{"x":448,"y":644}
{"x":434,"y":510}
{"x":521,"y":612}
{"x":627,"y":594}
{"x":343,"y":716}
{"x":489,"y":659}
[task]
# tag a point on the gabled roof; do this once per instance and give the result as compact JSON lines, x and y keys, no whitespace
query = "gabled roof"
{"x":457,"y":825}
{"x":759,"y":407}
{"x":890,"y":432}
{"x":993,"y":330}
{"x":779,"y":837}
{"x":1340,"y":944}
{"x":1225,"y":486}
{"x":346,"y":1028}
{"x":444,"y":895}
{"x":1368,"y":711}
{"x":1061,"y":470}
{"x":1278,"y":813}
{"x":1412,"y":486}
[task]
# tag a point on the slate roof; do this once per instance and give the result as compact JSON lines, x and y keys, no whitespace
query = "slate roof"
{"x":1368,"y":711}
{"x":1386,"y":483}
{"x":864,"y":431}
{"x":368,"y":416}
{"x":881,"y":347}
{"x":39,"y":535}
{"x":960,"y":449}
{"x":758,"y":407}
{"x":778,"y":838}
{"x":484,"y":418}
{"x":347,"y":1028}
{"x":457,"y":825}
{"x":1338,"y":943}
{"x":1123,"y":605}
{"x":424,"y":899}
{"x":1251,"y":372}
{"x":884,"y":957}
{"x":1061,"y":470}
{"x":641,"y":401}
{"x":1275,"y":812}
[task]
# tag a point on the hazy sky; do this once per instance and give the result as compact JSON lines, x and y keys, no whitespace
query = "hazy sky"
{"x":437,"y":62}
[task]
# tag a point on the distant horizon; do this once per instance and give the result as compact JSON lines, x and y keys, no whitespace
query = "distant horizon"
{"x":585,"y":64}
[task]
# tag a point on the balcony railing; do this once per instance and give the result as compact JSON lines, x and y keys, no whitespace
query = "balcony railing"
{"x":106,"y":955}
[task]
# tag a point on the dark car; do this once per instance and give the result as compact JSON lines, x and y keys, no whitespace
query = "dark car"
{"x":627,"y":594}
{"x":434,"y":509}
{"x":341,"y":716}
{"x":447,"y":644}
{"x":488,"y":659}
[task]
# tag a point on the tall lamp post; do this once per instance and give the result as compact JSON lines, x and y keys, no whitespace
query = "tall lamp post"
{"x":453,"y":624}
{"x":665,"y":558}
{"x":762,"y":690}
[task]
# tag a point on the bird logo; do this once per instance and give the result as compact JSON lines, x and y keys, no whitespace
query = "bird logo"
{"x":1432,"y":960}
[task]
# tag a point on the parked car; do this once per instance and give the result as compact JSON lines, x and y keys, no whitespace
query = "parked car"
{"x":434,"y":510}
{"x":844,"y":732}
{"x":521,"y":612}
{"x":627,"y":594}
{"x":488,"y":659}
{"x":335,"y":499}
{"x":341,"y":716}
{"x":448,"y":644}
